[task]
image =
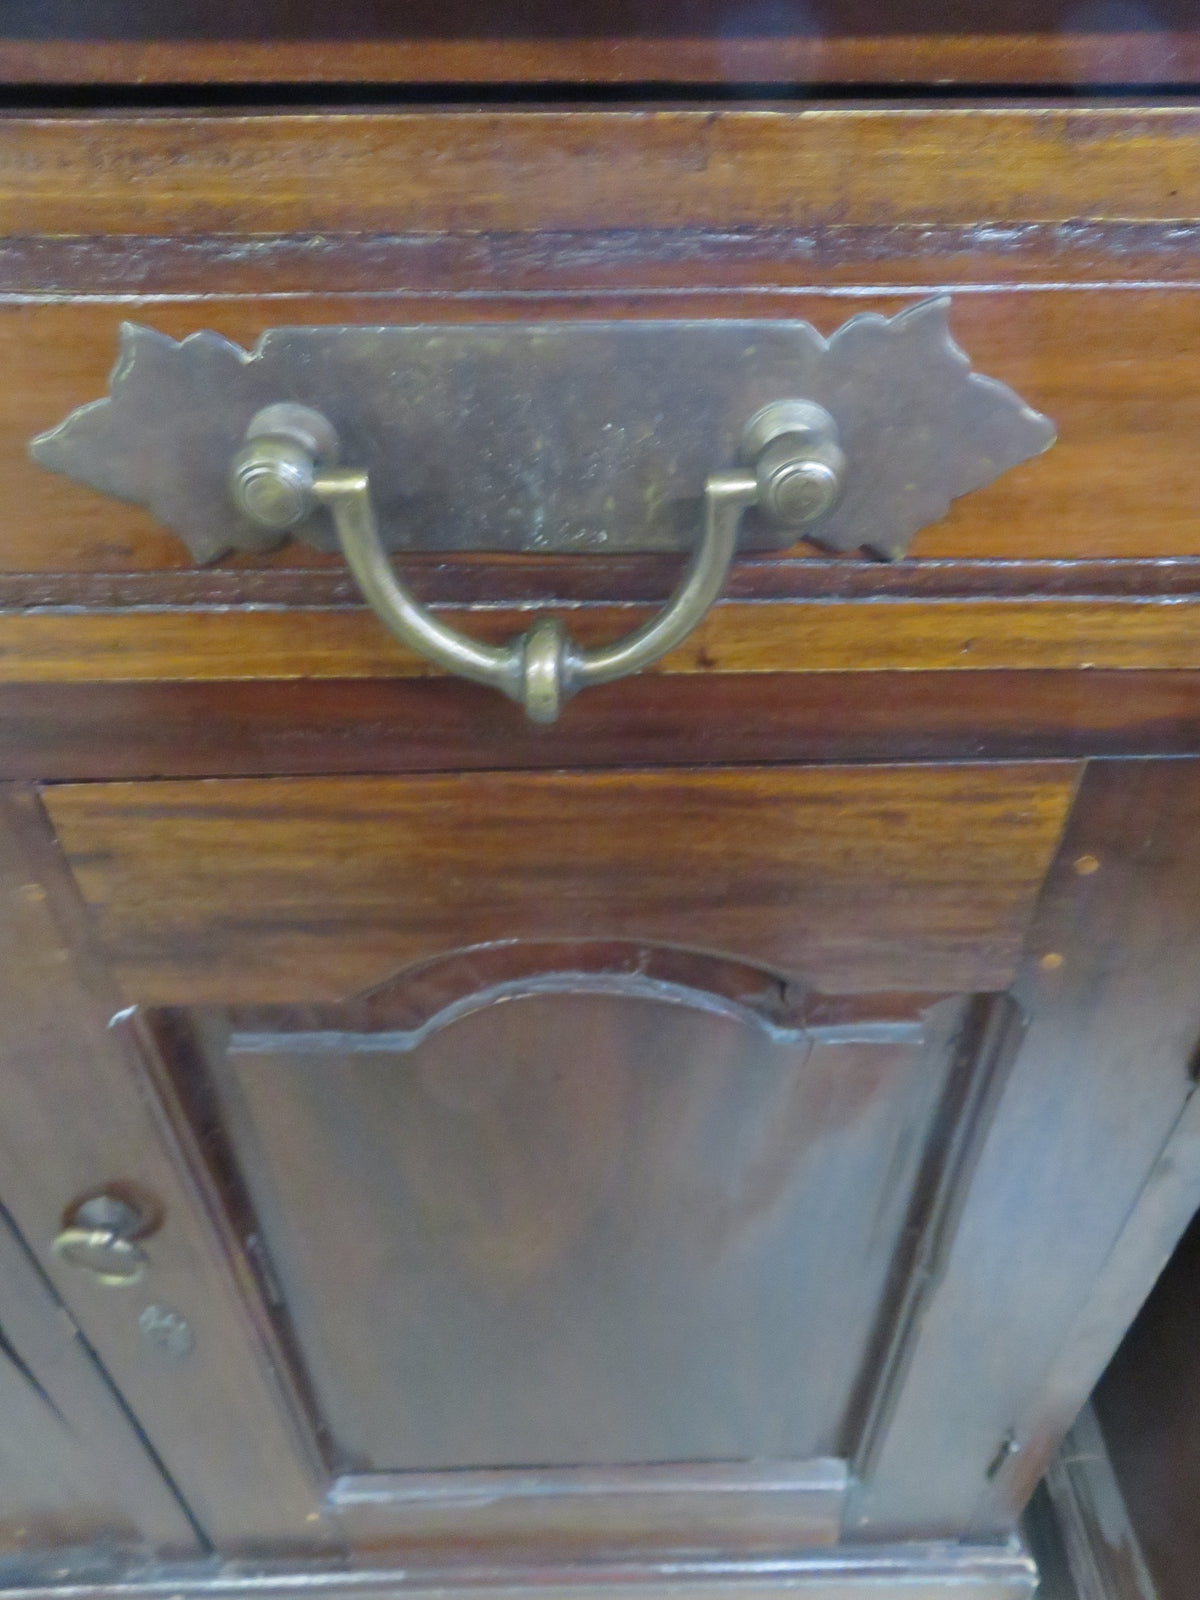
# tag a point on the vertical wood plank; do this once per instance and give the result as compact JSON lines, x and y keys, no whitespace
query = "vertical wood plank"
{"x":72,"y":1467}
{"x":77,"y":1116}
{"x":1067,"y":1220}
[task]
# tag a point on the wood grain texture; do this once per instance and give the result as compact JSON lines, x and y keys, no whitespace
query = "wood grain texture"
{"x":750,"y":1507}
{"x":1116,"y":368}
{"x":208,"y":646}
{"x":918,"y":878}
{"x":464,"y":170}
{"x":526,"y":1236}
{"x":60,"y":732}
{"x":754,"y":260}
{"x":73,"y":1469}
{"x":601,"y":42}
{"x":476,"y":580}
{"x":422,"y":998}
{"x":1087,"y":1175}
{"x":921,"y":1571}
{"x":1102,"y":58}
{"x":79,"y":1115}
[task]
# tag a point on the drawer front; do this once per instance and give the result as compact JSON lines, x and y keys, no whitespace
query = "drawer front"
{"x":1115,"y":368}
{"x":1079,"y":297}
{"x":1061,"y":234}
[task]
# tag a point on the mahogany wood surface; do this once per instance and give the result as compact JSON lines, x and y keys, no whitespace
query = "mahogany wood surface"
{"x":917,"y":1570}
{"x":422,"y":998}
{"x":222,"y":645}
{"x":74,"y":1471}
{"x":1062,"y":1234}
{"x":468,"y":170}
{"x":311,"y":819}
{"x":530,"y":1232}
{"x":595,"y":42}
{"x":1116,"y":367}
{"x":1091,"y":251}
{"x":1058,"y":303}
{"x":1112,"y":938}
{"x":59,"y":732}
{"x":754,"y":1508}
{"x":857,"y":878}
{"x":79,"y":1115}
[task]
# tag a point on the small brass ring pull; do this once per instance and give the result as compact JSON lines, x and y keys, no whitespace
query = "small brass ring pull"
{"x":101,"y":1238}
{"x":793,"y":472}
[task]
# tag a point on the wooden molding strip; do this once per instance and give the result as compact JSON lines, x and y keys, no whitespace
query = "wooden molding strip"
{"x":921,"y":1571}
{"x":737,"y":637}
{"x":286,"y":890}
{"x":429,"y":171}
{"x":530,"y":53}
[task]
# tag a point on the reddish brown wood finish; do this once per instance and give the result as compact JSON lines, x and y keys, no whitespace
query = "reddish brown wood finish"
{"x":1107,"y":984}
{"x":1040,"y":1198}
{"x":79,"y":1116}
{"x":73,"y":1470}
{"x":1117,"y":368}
{"x":63,"y":732}
{"x":603,"y":42}
{"x":729,"y":1505}
{"x":917,"y":878}
{"x":450,"y":170}
{"x":948,"y":636}
{"x":527,"y":1232}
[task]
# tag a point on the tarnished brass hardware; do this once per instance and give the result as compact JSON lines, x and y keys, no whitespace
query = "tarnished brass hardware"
{"x":559,"y":438}
{"x":550,"y":438}
{"x":792,"y":446}
{"x":101,"y":1238}
{"x":794,"y":473}
{"x":273,"y":482}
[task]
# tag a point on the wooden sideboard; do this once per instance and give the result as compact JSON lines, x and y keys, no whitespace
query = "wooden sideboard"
{"x":713,"y":1143}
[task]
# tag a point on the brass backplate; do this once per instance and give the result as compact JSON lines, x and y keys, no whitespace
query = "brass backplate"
{"x":588,"y":437}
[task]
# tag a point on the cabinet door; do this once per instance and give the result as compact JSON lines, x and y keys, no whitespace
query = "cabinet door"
{"x":604,"y":1161}
{"x":79,"y":1490}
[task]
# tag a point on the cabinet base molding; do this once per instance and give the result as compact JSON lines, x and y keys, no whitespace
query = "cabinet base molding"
{"x":916,"y":1571}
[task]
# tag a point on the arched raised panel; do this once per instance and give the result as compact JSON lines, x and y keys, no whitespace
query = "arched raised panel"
{"x":601,"y":1203}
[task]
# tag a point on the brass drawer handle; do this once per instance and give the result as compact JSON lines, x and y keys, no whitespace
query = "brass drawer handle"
{"x":793,"y":473}
{"x":579,"y":438}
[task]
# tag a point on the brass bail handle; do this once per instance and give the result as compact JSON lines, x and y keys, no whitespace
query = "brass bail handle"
{"x":793,"y":471}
